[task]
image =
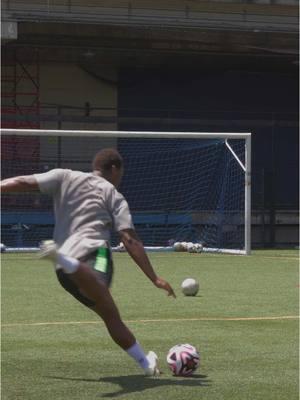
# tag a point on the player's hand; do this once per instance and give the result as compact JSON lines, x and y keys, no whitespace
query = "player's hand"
{"x":162,"y":284}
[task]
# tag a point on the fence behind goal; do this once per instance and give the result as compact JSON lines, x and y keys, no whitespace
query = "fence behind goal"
{"x":180,"y":186}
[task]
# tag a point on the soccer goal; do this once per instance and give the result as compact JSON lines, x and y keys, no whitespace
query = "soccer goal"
{"x":180,"y":186}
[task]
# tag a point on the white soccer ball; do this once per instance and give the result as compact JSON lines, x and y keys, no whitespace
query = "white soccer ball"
{"x":193,"y":249}
{"x":183,"y":359}
{"x":121,"y":247}
{"x":2,"y":247}
{"x":190,"y":287}
{"x":198,"y":247}
{"x":190,"y":247}
{"x":177,"y":246}
{"x":184,"y":246}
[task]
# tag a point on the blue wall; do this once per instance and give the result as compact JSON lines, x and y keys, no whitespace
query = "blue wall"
{"x":264,"y":103}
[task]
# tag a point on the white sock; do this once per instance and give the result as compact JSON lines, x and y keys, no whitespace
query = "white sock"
{"x":138,"y":354}
{"x":69,"y":264}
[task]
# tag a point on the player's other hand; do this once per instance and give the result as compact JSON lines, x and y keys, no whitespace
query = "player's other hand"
{"x":162,"y":284}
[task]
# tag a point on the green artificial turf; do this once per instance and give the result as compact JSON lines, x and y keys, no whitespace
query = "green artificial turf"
{"x":243,"y":322}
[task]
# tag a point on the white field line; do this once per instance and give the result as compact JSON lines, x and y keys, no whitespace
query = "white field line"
{"x":164,"y":255}
{"x":33,"y":256}
{"x":283,"y":317}
{"x":280,"y":257}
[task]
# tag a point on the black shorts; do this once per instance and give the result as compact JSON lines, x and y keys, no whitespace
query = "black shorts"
{"x":101,"y":262}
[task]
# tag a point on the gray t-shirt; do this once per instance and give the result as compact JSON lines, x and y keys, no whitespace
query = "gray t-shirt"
{"x":87,"y":207}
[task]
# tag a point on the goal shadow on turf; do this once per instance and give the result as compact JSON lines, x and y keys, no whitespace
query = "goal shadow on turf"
{"x":138,"y":383}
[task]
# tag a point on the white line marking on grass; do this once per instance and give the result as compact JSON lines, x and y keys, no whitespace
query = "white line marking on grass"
{"x":280,"y":257}
{"x":283,"y":317}
{"x":210,"y":255}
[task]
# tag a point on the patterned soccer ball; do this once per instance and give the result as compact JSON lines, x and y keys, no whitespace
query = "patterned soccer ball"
{"x":183,"y":359}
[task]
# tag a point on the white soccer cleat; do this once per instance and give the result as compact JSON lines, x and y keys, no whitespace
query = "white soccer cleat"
{"x":152,"y":369}
{"x":48,"y":250}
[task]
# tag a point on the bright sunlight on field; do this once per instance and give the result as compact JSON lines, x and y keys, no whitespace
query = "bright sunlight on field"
{"x":244,"y":322}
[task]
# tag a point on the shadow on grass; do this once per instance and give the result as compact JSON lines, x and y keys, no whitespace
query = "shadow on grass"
{"x":138,"y":383}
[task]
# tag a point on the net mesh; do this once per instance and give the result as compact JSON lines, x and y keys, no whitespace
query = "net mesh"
{"x":177,"y":189}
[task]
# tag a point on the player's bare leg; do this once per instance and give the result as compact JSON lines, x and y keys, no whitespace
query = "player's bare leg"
{"x":94,"y":289}
{"x":105,"y":307}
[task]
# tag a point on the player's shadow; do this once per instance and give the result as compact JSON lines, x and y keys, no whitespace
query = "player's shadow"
{"x":138,"y":383}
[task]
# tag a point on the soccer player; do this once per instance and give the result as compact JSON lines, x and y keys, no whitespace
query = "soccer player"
{"x":87,"y":207}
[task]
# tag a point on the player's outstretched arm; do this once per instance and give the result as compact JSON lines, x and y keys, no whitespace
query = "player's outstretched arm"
{"x":136,"y":250}
{"x":19,"y":184}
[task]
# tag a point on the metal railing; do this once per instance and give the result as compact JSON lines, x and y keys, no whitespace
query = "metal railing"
{"x":60,"y":116}
{"x":262,"y":15}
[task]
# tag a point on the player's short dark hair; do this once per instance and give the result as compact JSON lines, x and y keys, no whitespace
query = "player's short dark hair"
{"x":106,"y":158}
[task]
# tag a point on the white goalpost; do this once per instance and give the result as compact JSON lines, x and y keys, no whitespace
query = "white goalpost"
{"x":181,"y":186}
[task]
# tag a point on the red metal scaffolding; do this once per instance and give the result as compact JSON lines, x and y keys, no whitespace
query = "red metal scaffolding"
{"x":20,"y":88}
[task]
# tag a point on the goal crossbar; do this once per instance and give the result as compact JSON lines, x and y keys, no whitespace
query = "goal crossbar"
{"x":126,"y":134}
